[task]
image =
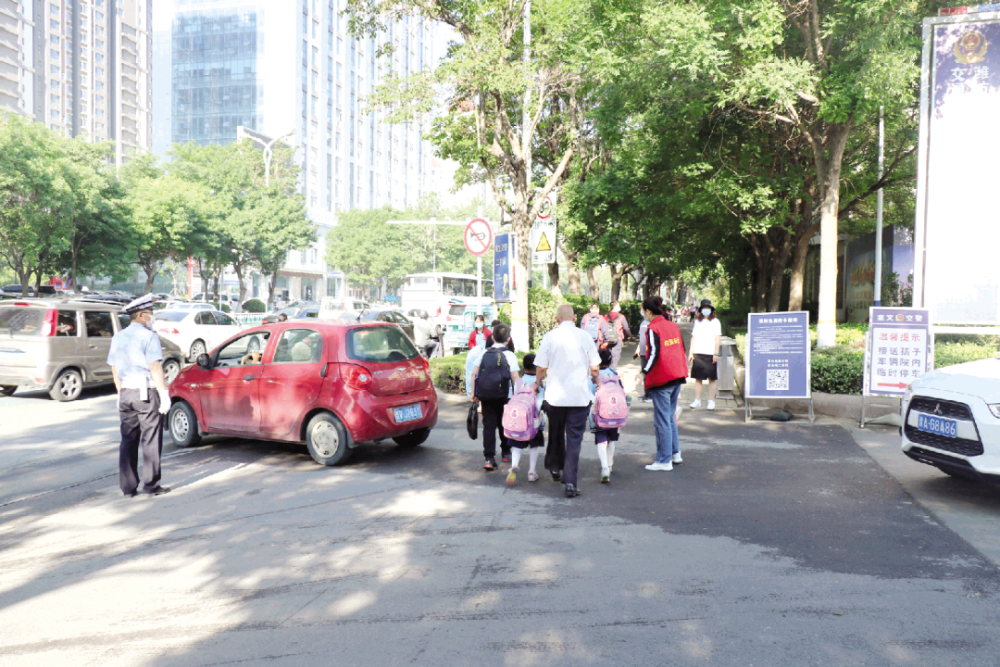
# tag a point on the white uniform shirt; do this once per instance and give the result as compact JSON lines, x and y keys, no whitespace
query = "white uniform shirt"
{"x":568,"y":354}
{"x":703,"y":336}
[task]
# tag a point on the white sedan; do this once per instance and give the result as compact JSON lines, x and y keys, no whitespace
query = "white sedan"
{"x":951,"y":420}
{"x":195,"y":331}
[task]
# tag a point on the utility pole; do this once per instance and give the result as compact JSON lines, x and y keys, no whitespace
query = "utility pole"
{"x":269,"y":155}
{"x":878,"y":210}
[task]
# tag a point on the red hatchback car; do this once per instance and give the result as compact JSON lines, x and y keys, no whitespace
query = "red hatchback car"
{"x":330,"y":385}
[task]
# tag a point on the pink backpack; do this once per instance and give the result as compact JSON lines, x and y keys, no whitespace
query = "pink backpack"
{"x":520,"y":415}
{"x":610,"y":404}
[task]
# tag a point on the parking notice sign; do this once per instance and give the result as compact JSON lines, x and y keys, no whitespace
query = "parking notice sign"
{"x":899,"y":350}
{"x":778,"y":355}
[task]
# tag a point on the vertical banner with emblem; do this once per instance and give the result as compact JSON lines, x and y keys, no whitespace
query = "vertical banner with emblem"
{"x":543,"y":233}
{"x":900,"y":349}
{"x":504,"y":261}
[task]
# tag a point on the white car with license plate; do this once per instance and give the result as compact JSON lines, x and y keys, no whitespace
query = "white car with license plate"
{"x":195,"y":331}
{"x":951,"y":420}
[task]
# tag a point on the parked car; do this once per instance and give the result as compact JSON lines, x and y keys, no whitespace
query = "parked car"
{"x":189,"y":305}
{"x":381,"y":315}
{"x":62,"y":345}
{"x":218,"y":299}
{"x":330,"y":386}
{"x":951,"y":420}
{"x":299,"y":311}
{"x":195,"y":331}
{"x":331,"y":308}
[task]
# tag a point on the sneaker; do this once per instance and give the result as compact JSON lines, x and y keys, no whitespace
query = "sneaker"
{"x":677,"y":458}
{"x":646,"y":399}
{"x":556,"y":475}
{"x":695,"y":404}
{"x":605,"y":475}
{"x":512,"y":477}
{"x":532,"y":476}
{"x":678,"y":412}
{"x":505,"y":457}
{"x":660,"y":467}
{"x":490,"y":465}
{"x":711,"y":405}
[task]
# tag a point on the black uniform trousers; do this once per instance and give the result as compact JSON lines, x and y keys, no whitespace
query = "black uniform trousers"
{"x":493,"y":424}
{"x":142,"y":424}
{"x":566,"y":428}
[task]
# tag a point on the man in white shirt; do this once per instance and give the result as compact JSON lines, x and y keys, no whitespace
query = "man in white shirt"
{"x":566,"y":361}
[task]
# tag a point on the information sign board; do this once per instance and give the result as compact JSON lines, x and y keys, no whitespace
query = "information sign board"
{"x":778,"y":355}
{"x":900,"y":349}
{"x":543,"y":233}
{"x":504,"y":261}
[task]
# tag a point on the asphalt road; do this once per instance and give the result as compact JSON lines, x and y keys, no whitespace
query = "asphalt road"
{"x":773,"y":544}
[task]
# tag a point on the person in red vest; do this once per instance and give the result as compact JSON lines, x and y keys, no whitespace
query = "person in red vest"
{"x":665,"y":371}
{"x":479,"y":335}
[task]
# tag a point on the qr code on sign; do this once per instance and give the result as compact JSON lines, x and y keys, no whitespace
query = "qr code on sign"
{"x":777,"y":379}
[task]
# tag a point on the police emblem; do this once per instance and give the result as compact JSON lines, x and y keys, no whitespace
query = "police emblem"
{"x":971,"y":48}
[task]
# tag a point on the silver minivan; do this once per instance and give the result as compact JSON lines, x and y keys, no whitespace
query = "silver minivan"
{"x":61,"y":345}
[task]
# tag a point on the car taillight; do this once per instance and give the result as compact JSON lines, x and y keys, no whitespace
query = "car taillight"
{"x":356,"y":377}
{"x":19,"y":303}
{"x":50,"y":322}
{"x":438,"y":313}
{"x":425,"y":363}
{"x":170,"y":330}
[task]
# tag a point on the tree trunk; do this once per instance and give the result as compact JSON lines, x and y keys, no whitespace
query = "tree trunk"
{"x":554,"y":281}
{"x":616,"y":281}
{"x":778,"y":276}
{"x":826,"y":329}
{"x":573,"y":272}
{"x":150,"y":270}
{"x":595,"y":288}
{"x":238,"y":268}
{"x":796,"y":291}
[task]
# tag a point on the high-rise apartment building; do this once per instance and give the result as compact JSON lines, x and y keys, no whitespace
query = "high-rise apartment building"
{"x":289,"y":69}
{"x":82,"y":67}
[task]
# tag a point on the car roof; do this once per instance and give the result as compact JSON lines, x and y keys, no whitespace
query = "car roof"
{"x":64,"y":302}
{"x":328,"y":325}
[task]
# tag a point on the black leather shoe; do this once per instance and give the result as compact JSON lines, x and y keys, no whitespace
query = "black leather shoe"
{"x":132,"y":495}
{"x":572,"y":491}
{"x":556,"y":475}
{"x":158,"y":491}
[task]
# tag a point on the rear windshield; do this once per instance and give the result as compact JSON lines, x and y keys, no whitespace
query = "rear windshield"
{"x":171,"y":315}
{"x":379,"y":345}
{"x":456,"y":310}
{"x":21,"y":321}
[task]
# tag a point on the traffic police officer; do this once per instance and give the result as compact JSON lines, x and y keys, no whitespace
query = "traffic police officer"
{"x":136,"y":360}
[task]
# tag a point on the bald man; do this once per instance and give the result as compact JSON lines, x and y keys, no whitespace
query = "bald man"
{"x":566,"y":361}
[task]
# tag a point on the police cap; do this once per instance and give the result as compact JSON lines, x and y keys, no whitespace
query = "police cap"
{"x":144,"y":302}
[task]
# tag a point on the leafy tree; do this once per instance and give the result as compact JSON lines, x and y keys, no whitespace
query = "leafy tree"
{"x":34,"y":198}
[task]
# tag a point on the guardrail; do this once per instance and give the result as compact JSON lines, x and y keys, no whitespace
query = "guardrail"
{"x":247,"y":319}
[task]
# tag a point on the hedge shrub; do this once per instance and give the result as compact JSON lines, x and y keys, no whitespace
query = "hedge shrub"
{"x":949,"y":354}
{"x":448,"y":373}
{"x":254,"y":306}
{"x":838,"y":370}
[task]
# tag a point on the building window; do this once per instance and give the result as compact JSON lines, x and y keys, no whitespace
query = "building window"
{"x":99,"y":113}
{"x":315,"y":60}
{"x":54,"y":40}
{"x":54,"y":113}
{"x":54,"y":99}
{"x":54,"y":69}
{"x":99,"y":57}
{"x":54,"y":9}
{"x":54,"y":24}
{"x":98,"y":16}
{"x":99,"y":99}
{"x":54,"y":83}
{"x":54,"y":54}
{"x":99,"y":85}
{"x":98,"y":71}
{"x":98,"y":44}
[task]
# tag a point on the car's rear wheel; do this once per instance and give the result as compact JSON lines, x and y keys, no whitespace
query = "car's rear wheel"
{"x":197,"y":349}
{"x":327,"y":440}
{"x":413,"y":438}
{"x":171,"y":368}
{"x":7,"y":390}
{"x":183,"y":425}
{"x":67,"y":386}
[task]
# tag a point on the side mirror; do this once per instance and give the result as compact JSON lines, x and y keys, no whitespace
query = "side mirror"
{"x":204,"y":362}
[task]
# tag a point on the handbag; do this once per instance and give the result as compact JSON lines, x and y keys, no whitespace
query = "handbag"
{"x":472,"y":421}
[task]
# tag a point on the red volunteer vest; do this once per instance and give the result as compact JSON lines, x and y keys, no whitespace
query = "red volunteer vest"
{"x":672,"y":363}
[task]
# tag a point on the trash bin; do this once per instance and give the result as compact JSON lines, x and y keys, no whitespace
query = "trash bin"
{"x":727,"y":364}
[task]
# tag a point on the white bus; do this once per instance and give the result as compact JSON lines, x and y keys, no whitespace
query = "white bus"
{"x":434,"y":292}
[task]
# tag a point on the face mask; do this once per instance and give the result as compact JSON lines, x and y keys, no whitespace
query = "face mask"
{"x":479,"y":326}
{"x":148,"y":323}
{"x":706,"y":311}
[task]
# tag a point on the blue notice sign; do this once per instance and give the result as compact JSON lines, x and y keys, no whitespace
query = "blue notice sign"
{"x":503,"y":268}
{"x":778,"y":355}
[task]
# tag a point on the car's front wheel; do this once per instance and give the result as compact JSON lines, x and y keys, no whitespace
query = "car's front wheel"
{"x":7,"y":390}
{"x":327,"y":440}
{"x":67,"y":386}
{"x":197,"y":349}
{"x":183,"y":425}
{"x":413,"y":438}
{"x":171,"y":368}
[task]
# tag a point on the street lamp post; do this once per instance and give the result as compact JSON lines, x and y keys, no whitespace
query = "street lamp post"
{"x":269,"y":155}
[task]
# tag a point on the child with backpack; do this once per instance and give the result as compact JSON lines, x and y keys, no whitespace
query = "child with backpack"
{"x":523,"y":421}
{"x":610,"y":413}
{"x":492,"y":377}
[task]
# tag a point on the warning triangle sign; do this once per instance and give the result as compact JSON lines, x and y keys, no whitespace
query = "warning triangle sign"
{"x":543,"y":244}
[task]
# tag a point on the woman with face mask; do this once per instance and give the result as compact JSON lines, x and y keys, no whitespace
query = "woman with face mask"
{"x":704,"y":356}
{"x":479,"y":335}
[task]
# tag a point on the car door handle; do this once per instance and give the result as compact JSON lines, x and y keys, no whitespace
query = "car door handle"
{"x":248,"y":378}
{"x":93,"y":347}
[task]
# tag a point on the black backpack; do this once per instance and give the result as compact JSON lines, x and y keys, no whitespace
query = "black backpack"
{"x":493,"y":381}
